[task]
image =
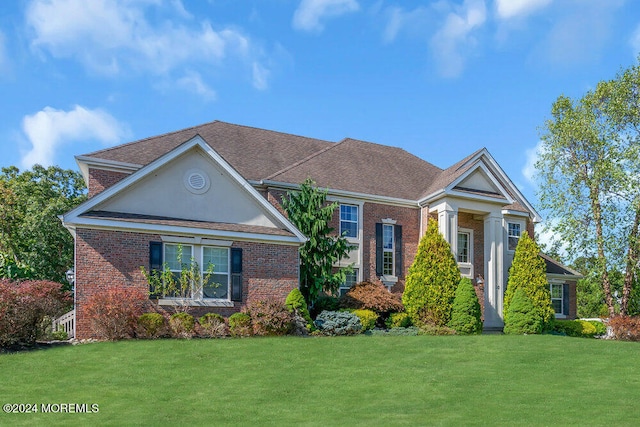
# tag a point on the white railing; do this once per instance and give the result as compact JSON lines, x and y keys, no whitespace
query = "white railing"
{"x":66,"y":322}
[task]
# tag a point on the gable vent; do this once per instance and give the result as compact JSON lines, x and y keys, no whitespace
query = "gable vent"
{"x":196,"y":181}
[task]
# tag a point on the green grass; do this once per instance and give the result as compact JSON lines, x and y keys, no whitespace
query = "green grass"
{"x":461,"y":381}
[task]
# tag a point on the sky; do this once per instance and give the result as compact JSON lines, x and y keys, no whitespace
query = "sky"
{"x":440,"y":79}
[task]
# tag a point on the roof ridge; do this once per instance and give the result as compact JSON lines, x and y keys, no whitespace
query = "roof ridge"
{"x":306,"y":159}
{"x":273,"y":131}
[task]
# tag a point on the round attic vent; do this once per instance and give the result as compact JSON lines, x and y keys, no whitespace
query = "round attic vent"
{"x":196,"y":181}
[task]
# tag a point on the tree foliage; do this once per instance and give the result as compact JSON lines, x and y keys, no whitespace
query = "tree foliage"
{"x":466,"y":315}
{"x":528,"y":272}
{"x":589,"y":173}
{"x":432,"y":280}
{"x":522,"y":317}
{"x":309,"y":211}
{"x":33,"y":240}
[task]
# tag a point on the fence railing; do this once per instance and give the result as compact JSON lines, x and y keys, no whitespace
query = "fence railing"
{"x":66,"y":322}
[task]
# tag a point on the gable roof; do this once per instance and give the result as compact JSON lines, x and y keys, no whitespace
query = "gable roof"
{"x":556,"y":268}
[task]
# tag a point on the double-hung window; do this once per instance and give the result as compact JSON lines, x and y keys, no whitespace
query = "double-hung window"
{"x":557,"y":297}
{"x":464,"y":246}
{"x":513,"y":235}
{"x":216,"y":260}
{"x":351,"y":278}
{"x":388,"y":250}
{"x":212,"y":273}
{"x":349,"y":221}
{"x":178,"y":258}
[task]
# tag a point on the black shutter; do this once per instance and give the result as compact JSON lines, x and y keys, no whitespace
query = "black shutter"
{"x":378,"y":249}
{"x":398,"y":236}
{"x":155,"y":264}
{"x":236,"y":274}
{"x":565,"y":299}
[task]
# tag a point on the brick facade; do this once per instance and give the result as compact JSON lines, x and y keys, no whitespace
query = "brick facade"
{"x":113,"y":258}
{"x":100,"y":180}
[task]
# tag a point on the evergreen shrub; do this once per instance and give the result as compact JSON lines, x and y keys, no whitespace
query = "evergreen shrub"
{"x":296,"y":304}
{"x":182,"y":325}
{"x":522,"y":317}
{"x":338,"y":323}
{"x":212,"y":325}
{"x":324,"y":302}
{"x":240,"y":325}
{"x":432,"y":280}
{"x":398,"y":320}
{"x":367,"y":318}
{"x":151,"y":325}
{"x":466,"y":316}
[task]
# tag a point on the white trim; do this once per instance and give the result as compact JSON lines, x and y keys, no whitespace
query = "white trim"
{"x":388,"y":221}
{"x":522,"y":225}
{"x":209,"y":302}
{"x":196,"y":240}
{"x":73,"y":217}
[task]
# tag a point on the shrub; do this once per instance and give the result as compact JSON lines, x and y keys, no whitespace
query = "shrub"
{"x":270,"y":317}
{"x":324,"y":303}
{"x":398,"y":320}
{"x":466,"y":313}
{"x":296,"y":304}
{"x":59,"y":335}
{"x":432,"y":280}
{"x":601,"y":328}
{"x":371,"y":296}
{"x":522,"y":317}
{"x":114,"y":312}
{"x":240,"y":325}
{"x":213,"y":325}
{"x":182,"y":325}
{"x":26,"y":309}
{"x":367,"y":318}
{"x":151,"y":325}
{"x":528,"y":272}
{"x":625,"y":328}
{"x":577,"y":328}
{"x":338,"y":323}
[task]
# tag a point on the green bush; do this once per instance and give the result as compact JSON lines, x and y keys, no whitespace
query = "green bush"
{"x":528,"y":272}
{"x":59,"y":335}
{"x":151,"y":325}
{"x":182,"y":325}
{"x":398,"y":320}
{"x":212,"y":325}
{"x":324,"y":303}
{"x":432,"y":280}
{"x":601,"y":328}
{"x":338,"y":323}
{"x":579,"y":328}
{"x":466,"y":316}
{"x":367,"y":318}
{"x":240,"y":325}
{"x":522,"y":317}
{"x":296,"y":303}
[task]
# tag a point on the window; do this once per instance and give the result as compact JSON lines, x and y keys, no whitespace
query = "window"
{"x":464,"y":245}
{"x":387,"y":250}
{"x":349,"y":220}
{"x":513,"y":235}
{"x":218,"y":284}
{"x":557,"y":297}
{"x":177,"y":258}
{"x":350,"y":280}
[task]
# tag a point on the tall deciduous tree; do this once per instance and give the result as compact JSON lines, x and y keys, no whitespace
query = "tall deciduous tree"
{"x":432,"y":280}
{"x":589,"y":171}
{"x":31,"y":234}
{"x":528,"y":272}
{"x":308,"y":210}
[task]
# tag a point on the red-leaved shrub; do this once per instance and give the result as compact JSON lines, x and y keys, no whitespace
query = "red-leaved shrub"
{"x":371,"y":296}
{"x":114,"y":312}
{"x":625,"y":328}
{"x":26,"y":308}
{"x":270,"y":317}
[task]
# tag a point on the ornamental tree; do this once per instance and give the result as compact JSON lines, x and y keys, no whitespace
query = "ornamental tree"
{"x":528,"y":272}
{"x":309,"y":211}
{"x":432,"y":280}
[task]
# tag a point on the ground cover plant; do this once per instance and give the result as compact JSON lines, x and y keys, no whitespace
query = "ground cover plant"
{"x":362,"y":380}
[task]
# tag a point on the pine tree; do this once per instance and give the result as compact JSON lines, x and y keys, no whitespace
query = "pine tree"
{"x":466,"y":316}
{"x":521,"y":317}
{"x":432,"y":280}
{"x":528,"y":271}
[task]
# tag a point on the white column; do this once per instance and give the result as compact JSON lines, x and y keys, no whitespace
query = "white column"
{"x":448,"y":224}
{"x":494,"y":259}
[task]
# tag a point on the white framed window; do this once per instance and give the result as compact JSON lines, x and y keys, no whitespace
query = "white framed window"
{"x":349,"y":220}
{"x":218,"y":284}
{"x":388,"y":250}
{"x":178,"y":257}
{"x":557,"y":295}
{"x":464,"y":247}
{"x":514,"y":232}
{"x":351,"y":278}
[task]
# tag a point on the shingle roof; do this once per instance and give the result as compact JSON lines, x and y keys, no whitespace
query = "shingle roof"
{"x":555,"y":267}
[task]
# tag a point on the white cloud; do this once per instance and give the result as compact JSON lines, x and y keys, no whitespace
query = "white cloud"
{"x":529,"y":169}
{"x":508,"y":9}
{"x":310,"y":13}
{"x":114,"y":37}
{"x":414,"y":21}
{"x":3,"y":53}
{"x":192,"y":82}
{"x":49,"y":129}
{"x":260,"y":76}
{"x":634,"y":41}
{"x":452,"y":42}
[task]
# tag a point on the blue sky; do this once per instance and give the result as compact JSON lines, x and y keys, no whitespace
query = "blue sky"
{"x":440,"y":79}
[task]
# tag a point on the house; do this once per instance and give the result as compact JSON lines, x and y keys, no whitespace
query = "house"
{"x":215,"y":191}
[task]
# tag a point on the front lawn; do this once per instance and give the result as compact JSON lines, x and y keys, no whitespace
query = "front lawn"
{"x":382,"y":380}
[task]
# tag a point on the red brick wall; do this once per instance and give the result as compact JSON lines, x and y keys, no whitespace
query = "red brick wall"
{"x":113,"y":258}
{"x":466,"y":220}
{"x":100,"y":180}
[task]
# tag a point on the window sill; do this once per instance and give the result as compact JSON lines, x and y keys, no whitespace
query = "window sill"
{"x":389,"y":280}
{"x":196,"y":303}
{"x":561,"y":316}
